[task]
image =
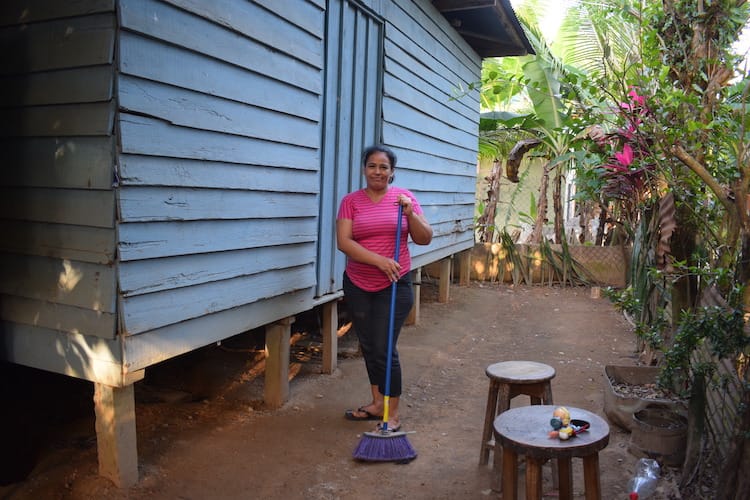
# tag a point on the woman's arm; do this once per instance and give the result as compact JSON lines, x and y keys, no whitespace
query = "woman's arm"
{"x":355,"y":251}
{"x":419,"y":229}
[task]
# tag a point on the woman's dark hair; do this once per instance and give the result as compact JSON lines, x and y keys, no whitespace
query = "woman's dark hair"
{"x":379,"y":148}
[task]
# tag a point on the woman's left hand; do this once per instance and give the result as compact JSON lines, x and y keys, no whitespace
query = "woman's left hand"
{"x":406,"y":204}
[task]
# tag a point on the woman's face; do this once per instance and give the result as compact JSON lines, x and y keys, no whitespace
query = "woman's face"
{"x":378,"y":171}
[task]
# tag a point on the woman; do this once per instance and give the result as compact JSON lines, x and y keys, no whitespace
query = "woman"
{"x":366,"y":232}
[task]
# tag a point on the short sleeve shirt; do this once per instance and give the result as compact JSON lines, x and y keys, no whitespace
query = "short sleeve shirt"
{"x":374,"y":227}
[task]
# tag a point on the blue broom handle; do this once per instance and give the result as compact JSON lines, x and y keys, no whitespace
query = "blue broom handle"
{"x":391,"y":317}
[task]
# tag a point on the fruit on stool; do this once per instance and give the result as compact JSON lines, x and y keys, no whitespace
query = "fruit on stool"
{"x":563,"y":414}
{"x":565,"y":433}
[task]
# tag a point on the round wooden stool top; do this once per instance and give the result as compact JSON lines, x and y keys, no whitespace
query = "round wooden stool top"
{"x":520,"y":372}
{"x":526,"y":431}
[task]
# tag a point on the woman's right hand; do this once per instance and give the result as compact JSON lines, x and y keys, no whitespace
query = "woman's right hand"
{"x":390,"y":268}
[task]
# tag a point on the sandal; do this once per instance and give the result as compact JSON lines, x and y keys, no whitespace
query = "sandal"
{"x":350,"y":415}
{"x":394,"y":428}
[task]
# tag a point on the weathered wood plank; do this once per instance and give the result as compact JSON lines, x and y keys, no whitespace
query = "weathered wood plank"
{"x":142,"y":135}
{"x":71,"y":283}
{"x":452,"y":226}
{"x":452,"y":199}
{"x":404,"y":67}
{"x":152,"y":60}
{"x":82,"y":356}
{"x":87,"y":244}
{"x":70,"y":162}
{"x":58,"y":317}
{"x":401,"y":137}
{"x":30,"y":11}
{"x":411,"y":109}
{"x":67,"y":43}
{"x":424,"y":31}
{"x":58,"y":120}
{"x":143,"y":204}
{"x":115,"y":434}
{"x":307,"y":15}
{"x":163,"y":239}
{"x":77,"y":85}
{"x":146,"y":312}
{"x":427,"y":181}
{"x":424,"y":161}
{"x":329,"y":332}
{"x":192,"y":109}
{"x":157,"y":171}
{"x":142,"y":351}
{"x":153,"y":275}
{"x":276,"y":377}
{"x":422,"y":256}
{"x":71,"y":206}
{"x":179,"y":27}
{"x":265,"y":26}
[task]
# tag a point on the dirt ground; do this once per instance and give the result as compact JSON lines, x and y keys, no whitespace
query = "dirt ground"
{"x":203,"y":431}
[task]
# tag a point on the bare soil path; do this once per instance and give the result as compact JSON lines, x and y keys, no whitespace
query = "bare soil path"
{"x":204,"y":434}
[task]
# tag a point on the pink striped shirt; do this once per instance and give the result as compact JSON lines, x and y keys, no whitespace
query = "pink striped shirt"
{"x":374,"y":227}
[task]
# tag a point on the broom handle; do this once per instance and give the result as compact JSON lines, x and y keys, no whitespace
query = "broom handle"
{"x":391,"y":325}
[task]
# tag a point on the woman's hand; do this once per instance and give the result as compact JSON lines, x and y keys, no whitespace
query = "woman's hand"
{"x":390,"y":268}
{"x":406,"y":204}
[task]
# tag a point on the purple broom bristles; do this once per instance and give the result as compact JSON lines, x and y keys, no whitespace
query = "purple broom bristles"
{"x":385,"y":447}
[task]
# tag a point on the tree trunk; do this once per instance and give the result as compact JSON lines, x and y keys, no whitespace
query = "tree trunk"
{"x":486,"y":220}
{"x":557,"y":206}
{"x":541,"y":211}
{"x":603,"y":215}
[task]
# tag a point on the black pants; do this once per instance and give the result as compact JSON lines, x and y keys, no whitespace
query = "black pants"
{"x":370,"y":316}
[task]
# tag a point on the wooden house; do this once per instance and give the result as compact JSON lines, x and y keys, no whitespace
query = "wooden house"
{"x":172,"y":170}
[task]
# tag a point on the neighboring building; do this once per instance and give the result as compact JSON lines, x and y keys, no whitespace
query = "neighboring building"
{"x":173,"y":168}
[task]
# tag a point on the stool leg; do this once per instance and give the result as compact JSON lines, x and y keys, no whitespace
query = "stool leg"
{"x":503,"y":398}
{"x":591,"y":477}
{"x":489,"y":418}
{"x":565,"y":478}
{"x":497,"y":465}
{"x":547,"y":398}
{"x":503,"y":404}
{"x":533,"y":479}
{"x":510,"y":474}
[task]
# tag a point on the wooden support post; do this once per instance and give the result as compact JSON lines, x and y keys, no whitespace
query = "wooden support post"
{"x":445,"y":280}
{"x":276,"y":383}
{"x":416,"y":279}
{"x":464,"y":268}
{"x":330,"y":336}
{"x":115,"y":434}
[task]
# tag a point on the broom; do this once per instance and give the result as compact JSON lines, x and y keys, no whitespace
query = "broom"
{"x":385,"y":445}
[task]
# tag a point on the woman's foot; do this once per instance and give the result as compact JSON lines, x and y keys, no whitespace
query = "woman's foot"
{"x":394,"y":425}
{"x":368,"y":412}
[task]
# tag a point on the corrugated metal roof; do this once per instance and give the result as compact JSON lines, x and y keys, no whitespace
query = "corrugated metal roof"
{"x":489,"y":26}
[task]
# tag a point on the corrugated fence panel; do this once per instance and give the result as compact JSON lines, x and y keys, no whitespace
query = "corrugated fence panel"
{"x":220,"y":154}
{"x":57,"y":204}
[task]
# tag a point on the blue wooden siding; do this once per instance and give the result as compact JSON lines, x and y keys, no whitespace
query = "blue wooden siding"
{"x":426,"y":62}
{"x":220,"y":116}
{"x":353,"y":89}
{"x":184,"y":189}
{"x":57,"y":205}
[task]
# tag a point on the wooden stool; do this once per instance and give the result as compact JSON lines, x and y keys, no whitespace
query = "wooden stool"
{"x":524,"y":431}
{"x":509,"y":379}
